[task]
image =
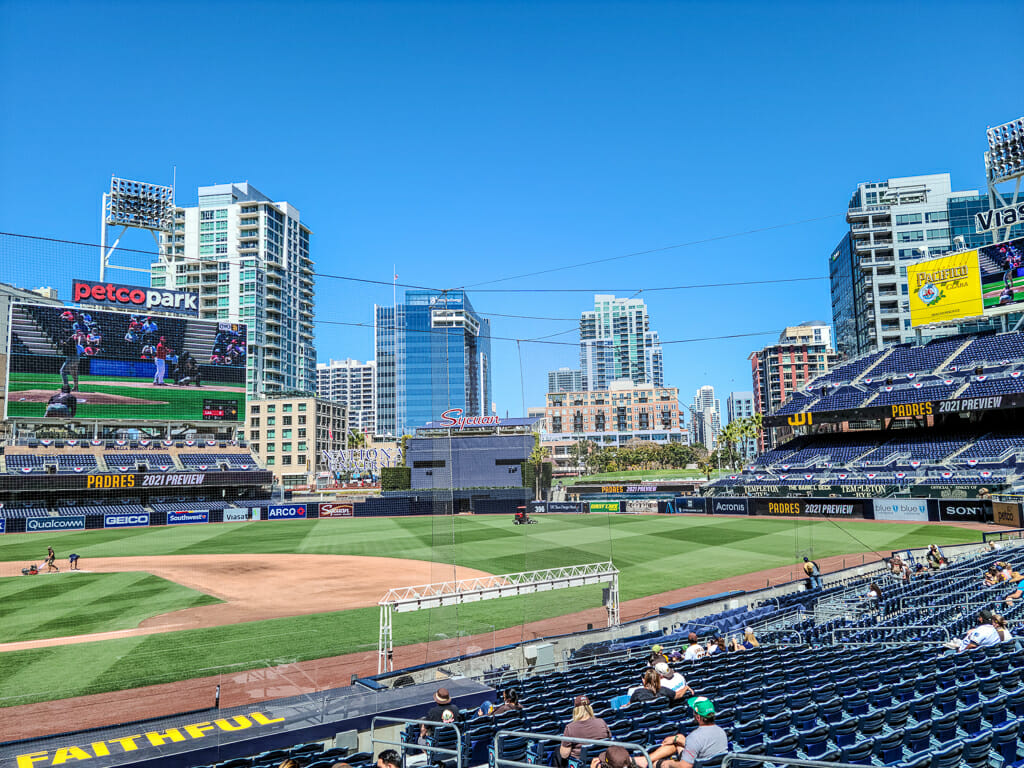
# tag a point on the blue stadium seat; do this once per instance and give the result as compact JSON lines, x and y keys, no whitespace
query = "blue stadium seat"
{"x":949,"y":756}
{"x":859,"y":752}
{"x":889,"y":746}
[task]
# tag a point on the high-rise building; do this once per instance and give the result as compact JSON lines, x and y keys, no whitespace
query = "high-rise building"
{"x":248,"y":259}
{"x":436,"y":357}
{"x":891,"y":224}
{"x":740,"y":405}
{"x":354,"y":385}
{"x":565,"y":380}
{"x":616,"y":342}
{"x":706,"y":417}
{"x":290,"y":434}
{"x":802,"y":353}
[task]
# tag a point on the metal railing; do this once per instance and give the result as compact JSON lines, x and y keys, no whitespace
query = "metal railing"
{"x":456,"y":753}
{"x":634,"y":749}
{"x":731,"y":756}
{"x":852,"y":630}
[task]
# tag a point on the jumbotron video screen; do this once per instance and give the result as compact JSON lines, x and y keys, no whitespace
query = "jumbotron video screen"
{"x":67,"y":363}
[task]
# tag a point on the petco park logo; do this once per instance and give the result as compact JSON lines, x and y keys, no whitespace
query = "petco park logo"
{"x":286,"y":513}
{"x":134,"y":297}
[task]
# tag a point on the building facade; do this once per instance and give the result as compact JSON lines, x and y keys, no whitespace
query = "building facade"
{"x":616,"y":342}
{"x":740,"y":405}
{"x":433,"y":354}
{"x":289,"y":435}
{"x":622,"y":414}
{"x":706,"y":418}
{"x":248,"y":259}
{"x":565,"y":380}
{"x":894,"y":223}
{"x":354,"y":385}
{"x":802,"y":353}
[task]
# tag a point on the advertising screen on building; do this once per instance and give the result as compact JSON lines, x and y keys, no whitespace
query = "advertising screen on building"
{"x":1002,"y":275}
{"x":67,"y":363}
{"x":945,"y":289}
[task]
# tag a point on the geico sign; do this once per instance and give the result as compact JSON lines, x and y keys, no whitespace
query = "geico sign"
{"x":134,"y":296}
{"x":124,"y":521}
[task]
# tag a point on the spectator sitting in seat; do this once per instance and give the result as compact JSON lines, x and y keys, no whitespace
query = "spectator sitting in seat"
{"x":1005,"y":636}
{"x":613,"y":757}
{"x":874,"y":594}
{"x":584,"y":725}
{"x":443,"y":711}
{"x":673,"y":681}
{"x":716,"y":645}
{"x":681,"y":751}
{"x":657,"y":654}
{"x":982,"y":635}
{"x":509,"y":703}
{"x":694,"y":650}
{"x":991,"y":577}
{"x":935,"y":557}
{"x":650,"y":687}
{"x":389,"y":758}
{"x":290,"y":762}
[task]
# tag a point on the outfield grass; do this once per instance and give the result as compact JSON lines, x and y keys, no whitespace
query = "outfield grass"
{"x":169,"y":402}
{"x":654,"y":554}
{"x":81,"y":603}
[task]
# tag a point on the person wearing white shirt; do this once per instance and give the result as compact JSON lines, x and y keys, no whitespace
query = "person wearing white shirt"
{"x":982,"y":635}
{"x":673,"y":680}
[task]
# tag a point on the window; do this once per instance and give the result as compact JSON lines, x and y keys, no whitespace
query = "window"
{"x":302,"y":406}
{"x":912,"y":236}
{"x":286,"y":433}
{"x":271,"y":421}
{"x":271,"y":434}
{"x":938,"y":234}
{"x":428,"y":464}
{"x":206,"y":215}
{"x":302,"y":447}
{"x":271,"y":408}
{"x":255,"y":447}
{"x":286,"y":447}
{"x":286,"y":408}
{"x":270,"y":447}
{"x":302,"y":419}
{"x":255,"y":409}
{"x":908,"y":218}
{"x":302,"y":433}
{"x":270,"y":461}
{"x":933,"y":216}
{"x":287,"y":421}
{"x":254,"y":434}
{"x":300,"y":459}
{"x":286,"y":459}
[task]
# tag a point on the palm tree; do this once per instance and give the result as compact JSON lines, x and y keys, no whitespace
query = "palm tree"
{"x":538,"y":456}
{"x":706,"y":465}
{"x":356,"y":439}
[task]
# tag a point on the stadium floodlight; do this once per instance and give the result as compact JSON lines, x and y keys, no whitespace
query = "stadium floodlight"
{"x":134,"y":205}
{"x":1004,"y":162}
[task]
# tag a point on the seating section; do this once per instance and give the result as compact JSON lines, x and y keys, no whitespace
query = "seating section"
{"x":212,"y":461}
{"x":987,"y":387}
{"x":912,"y":394}
{"x":153,"y":460}
{"x":850,"y":370}
{"x":994,"y":348}
{"x":66,"y":463}
{"x":104,"y":509}
{"x":840,"y":399}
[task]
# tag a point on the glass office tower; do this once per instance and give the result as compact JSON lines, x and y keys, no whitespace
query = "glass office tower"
{"x":436,"y":357}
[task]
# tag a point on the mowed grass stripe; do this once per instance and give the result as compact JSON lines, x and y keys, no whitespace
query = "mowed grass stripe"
{"x":60,"y":605}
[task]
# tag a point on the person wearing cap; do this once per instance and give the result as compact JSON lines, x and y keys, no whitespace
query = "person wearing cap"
{"x":705,"y":741}
{"x":657,"y":655}
{"x":813,"y":573}
{"x":584,"y":725}
{"x":613,"y":757}
{"x":443,"y":711}
{"x":673,"y":681}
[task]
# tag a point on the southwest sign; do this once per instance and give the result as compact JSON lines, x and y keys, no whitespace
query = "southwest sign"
{"x":190,"y":516}
{"x":133,"y":297}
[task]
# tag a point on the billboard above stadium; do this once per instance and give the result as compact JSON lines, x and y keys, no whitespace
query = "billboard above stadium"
{"x":1002,"y":276}
{"x":945,"y":289}
{"x":78,"y":364}
{"x":134,"y":298}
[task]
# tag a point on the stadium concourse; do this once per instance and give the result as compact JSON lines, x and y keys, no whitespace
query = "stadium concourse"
{"x":939,"y":420}
{"x":837,"y":676}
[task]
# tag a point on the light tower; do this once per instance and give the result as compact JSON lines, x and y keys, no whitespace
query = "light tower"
{"x":1004,"y":163}
{"x":136,"y":205}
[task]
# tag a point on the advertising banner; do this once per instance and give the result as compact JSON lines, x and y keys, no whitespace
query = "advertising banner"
{"x":802,"y":507}
{"x":72,"y":523}
{"x":1006,"y":513}
{"x":687,"y":504}
{"x":604,"y":506}
{"x":945,"y":289}
{"x":190,"y":516}
{"x":336,"y":510}
{"x":134,"y":520}
{"x":94,"y":364}
{"x":3,"y":525}
{"x":287,"y":512}
{"x":1002,"y":275}
{"x":641,"y":506}
{"x":720,"y":506}
{"x":915,"y":510}
{"x":135,"y":298}
{"x":565,"y":507}
{"x":239,"y":515}
{"x":964,"y":510}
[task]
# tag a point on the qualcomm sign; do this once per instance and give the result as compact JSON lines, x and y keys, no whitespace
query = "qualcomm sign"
{"x":362,"y":459}
{"x":76,"y":523}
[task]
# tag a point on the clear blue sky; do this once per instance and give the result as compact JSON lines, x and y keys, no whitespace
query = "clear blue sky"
{"x":467,"y":141}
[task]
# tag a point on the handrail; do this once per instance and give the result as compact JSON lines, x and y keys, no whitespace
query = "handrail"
{"x":730,"y":756}
{"x":559,"y":738}
{"x":457,"y":752}
{"x":878,"y":627}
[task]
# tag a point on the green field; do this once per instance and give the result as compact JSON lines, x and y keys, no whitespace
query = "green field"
{"x":654,"y":554}
{"x":168,"y":402}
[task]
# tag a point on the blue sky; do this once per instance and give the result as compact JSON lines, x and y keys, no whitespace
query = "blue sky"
{"x":465,"y":142}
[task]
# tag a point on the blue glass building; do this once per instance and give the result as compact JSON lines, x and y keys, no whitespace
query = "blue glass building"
{"x":434,"y":356}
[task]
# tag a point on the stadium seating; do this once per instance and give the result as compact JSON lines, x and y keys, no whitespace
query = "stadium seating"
{"x":104,"y":509}
{"x":991,"y":348}
{"x":213,"y":460}
{"x":154,"y":460}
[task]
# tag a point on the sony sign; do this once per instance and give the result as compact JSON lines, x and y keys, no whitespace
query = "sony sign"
{"x":1000,"y":217}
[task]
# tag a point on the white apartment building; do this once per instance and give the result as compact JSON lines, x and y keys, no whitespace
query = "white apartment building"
{"x":706,"y":418}
{"x":354,"y":384}
{"x":248,"y":258}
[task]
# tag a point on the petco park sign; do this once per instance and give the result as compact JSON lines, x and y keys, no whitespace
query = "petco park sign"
{"x":134,"y":297}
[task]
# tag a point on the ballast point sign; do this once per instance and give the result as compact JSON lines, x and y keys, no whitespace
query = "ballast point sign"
{"x":133,"y":297}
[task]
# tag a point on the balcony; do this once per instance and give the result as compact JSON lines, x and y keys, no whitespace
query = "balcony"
{"x":884,"y":243}
{"x":865,"y":211}
{"x":868,"y":227}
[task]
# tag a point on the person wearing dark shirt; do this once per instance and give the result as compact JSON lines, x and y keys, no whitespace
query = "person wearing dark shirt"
{"x":62,"y":405}
{"x":69,"y":348}
{"x":651,"y":688}
{"x":443,"y":711}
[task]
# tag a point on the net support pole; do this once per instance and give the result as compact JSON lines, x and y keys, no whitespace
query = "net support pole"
{"x":385,"y":650}
{"x":613,"y":601}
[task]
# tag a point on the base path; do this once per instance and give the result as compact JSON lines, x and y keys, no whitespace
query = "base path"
{"x":301,"y":584}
